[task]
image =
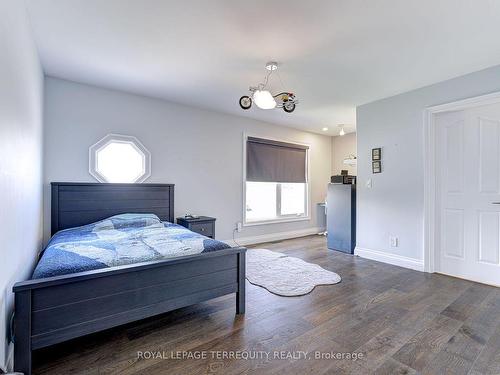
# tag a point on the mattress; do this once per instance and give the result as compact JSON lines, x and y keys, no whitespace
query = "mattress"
{"x":119,"y":240}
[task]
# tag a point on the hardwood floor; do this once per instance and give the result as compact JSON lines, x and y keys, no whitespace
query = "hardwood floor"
{"x":396,"y":320}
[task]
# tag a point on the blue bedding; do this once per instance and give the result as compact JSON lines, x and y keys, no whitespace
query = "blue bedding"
{"x":119,"y":240}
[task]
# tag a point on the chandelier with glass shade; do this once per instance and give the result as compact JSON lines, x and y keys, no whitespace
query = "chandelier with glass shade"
{"x":264,"y":99}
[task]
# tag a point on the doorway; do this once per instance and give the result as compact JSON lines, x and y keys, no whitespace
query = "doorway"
{"x":466,"y":209}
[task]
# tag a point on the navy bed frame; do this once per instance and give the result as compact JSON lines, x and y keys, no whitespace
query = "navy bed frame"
{"x":55,"y":309}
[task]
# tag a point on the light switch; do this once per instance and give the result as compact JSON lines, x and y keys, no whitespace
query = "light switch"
{"x":369,"y":183}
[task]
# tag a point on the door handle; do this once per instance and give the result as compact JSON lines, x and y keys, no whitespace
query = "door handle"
{"x":495,"y":202}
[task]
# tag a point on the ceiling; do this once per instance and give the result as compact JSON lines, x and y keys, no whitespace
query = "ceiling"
{"x":334,"y":54}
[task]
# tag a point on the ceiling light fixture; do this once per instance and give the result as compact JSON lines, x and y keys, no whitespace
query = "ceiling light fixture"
{"x":272,"y":65}
{"x":264,"y":99}
{"x":325,"y":129}
{"x":351,"y":160}
{"x":342,"y":132}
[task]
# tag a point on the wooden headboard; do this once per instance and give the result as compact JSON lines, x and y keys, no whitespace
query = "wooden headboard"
{"x":79,"y":203}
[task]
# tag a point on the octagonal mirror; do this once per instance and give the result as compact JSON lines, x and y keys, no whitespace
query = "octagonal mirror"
{"x":119,"y":158}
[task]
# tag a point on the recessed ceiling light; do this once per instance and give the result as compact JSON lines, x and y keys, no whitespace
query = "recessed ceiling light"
{"x":325,"y":129}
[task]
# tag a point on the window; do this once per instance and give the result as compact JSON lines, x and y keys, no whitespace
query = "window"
{"x":273,"y":201}
{"x":119,"y":158}
{"x":276,"y":187}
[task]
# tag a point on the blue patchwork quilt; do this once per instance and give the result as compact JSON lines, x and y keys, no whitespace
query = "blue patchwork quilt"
{"x":118,"y":240}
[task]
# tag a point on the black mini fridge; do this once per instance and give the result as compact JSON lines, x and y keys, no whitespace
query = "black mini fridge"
{"x":341,"y":217}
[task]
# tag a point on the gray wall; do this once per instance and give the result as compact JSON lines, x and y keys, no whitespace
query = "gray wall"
{"x":395,"y":204}
{"x":342,"y":148}
{"x":21,"y":90}
{"x":198,"y":150}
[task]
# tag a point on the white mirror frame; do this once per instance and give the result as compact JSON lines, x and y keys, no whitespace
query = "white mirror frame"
{"x":96,"y":147}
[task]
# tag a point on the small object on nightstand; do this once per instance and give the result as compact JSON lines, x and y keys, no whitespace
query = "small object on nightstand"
{"x":203,"y":225}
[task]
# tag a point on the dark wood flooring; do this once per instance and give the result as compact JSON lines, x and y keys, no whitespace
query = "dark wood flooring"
{"x":402,"y":321}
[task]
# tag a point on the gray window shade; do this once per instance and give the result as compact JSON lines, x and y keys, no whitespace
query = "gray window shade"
{"x":272,"y":161}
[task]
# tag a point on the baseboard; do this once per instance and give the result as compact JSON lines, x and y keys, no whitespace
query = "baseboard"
{"x":396,"y":260}
{"x":251,"y":240}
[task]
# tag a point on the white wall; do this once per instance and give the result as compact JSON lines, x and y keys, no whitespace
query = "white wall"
{"x":21,"y":90}
{"x":342,"y":148}
{"x":395,"y":204}
{"x":198,"y":150}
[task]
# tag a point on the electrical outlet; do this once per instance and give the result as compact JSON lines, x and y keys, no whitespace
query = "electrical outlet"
{"x":394,"y":241}
{"x":238,"y":226}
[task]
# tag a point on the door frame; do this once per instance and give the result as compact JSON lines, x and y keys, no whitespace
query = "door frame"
{"x":430,"y":182}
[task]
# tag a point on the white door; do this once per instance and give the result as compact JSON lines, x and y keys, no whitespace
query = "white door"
{"x":468,"y":193}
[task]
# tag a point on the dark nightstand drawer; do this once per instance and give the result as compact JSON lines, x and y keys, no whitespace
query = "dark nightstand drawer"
{"x":204,"y":225}
{"x":207,"y":229}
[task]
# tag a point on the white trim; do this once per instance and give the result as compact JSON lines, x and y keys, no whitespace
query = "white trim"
{"x":274,"y":236}
{"x":487,"y":99}
{"x":396,"y":260}
{"x":430,"y":240}
{"x":277,"y":221}
{"x":429,"y":191}
{"x":244,"y":180}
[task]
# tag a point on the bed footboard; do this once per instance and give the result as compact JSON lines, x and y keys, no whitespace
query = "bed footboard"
{"x":52,"y":310}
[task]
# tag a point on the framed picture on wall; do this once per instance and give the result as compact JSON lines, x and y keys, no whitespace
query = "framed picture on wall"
{"x":376,"y":167}
{"x":376,"y":154}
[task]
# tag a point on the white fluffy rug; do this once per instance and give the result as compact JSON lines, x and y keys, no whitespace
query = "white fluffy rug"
{"x":284,"y":275}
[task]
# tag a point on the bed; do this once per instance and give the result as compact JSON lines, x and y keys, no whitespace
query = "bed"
{"x":63,"y":302}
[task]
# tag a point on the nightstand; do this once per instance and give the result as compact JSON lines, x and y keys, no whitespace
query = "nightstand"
{"x":204,"y":225}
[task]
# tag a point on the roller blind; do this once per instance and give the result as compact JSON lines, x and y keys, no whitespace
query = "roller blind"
{"x":273,"y":161}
